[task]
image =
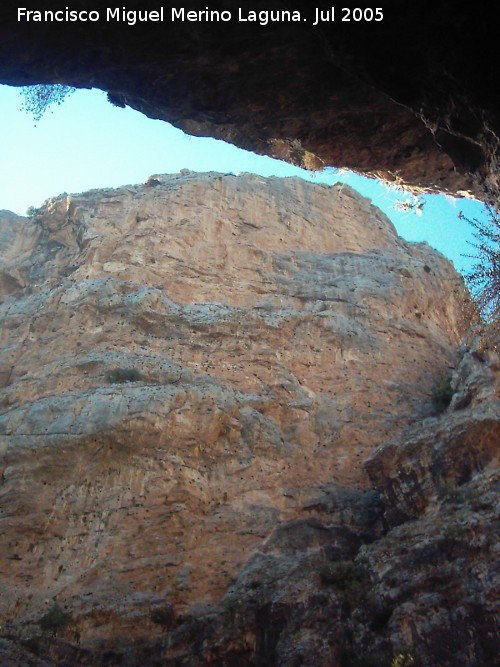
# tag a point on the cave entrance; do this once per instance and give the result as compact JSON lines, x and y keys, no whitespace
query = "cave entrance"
{"x":87,"y":143}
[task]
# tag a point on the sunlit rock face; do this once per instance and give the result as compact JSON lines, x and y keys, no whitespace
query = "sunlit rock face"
{"x":412,"y":96}
{"x":214,"y":390}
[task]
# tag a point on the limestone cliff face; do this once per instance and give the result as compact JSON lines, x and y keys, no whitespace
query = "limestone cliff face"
{"x":194,"y":372}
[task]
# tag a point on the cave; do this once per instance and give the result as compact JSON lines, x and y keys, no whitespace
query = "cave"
{"x":410,"y":98}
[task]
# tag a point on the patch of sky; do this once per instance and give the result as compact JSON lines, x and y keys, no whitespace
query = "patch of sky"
{"x":87,"y":143}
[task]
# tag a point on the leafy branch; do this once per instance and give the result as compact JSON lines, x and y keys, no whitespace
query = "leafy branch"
{"x":37,"y":99}
{"x":483,"y":279}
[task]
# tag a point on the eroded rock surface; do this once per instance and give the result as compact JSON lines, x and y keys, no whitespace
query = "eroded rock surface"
{"x":194,"y":372}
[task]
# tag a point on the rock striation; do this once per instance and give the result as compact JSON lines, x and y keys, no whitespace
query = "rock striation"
{"x":218,"y":441}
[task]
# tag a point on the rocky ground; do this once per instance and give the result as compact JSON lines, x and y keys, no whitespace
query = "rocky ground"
{"x":227,"y":435}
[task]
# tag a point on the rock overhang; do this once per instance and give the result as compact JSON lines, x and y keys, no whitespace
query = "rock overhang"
{"x":410,"y":97}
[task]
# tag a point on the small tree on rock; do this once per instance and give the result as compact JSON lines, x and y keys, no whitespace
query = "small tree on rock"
{"x":37,"y":99}
{"x":484,"y":277}
{"x":55,"y":619}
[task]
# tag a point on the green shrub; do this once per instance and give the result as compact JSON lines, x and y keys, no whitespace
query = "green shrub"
{"x":379,"y":659}
{"x":442,"y":395}
{"x":121,"y":375}
{"x":55,"y":619}
{"x":403,"y":659}
{"x":38,"y":98}
{"x":163,"y":615}
{"x":380,"y":615}
{"x":484,"y":277}
{"x":342,"y":574}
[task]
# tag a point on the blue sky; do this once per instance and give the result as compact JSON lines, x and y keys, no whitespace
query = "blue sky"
{"x":87,"y":143}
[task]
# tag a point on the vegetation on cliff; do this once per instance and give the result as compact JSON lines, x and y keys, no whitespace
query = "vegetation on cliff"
{"x":484,"y":278}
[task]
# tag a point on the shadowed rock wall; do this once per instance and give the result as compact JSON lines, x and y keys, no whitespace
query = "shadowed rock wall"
{"x":412,"y":97}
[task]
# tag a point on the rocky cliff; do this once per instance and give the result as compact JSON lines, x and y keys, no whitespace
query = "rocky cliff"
{"x":220,"y":437}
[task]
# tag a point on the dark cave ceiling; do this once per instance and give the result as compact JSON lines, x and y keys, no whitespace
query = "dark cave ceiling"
{"x":412,"y":97}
